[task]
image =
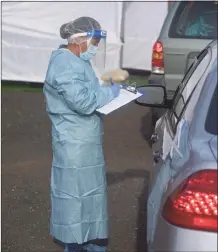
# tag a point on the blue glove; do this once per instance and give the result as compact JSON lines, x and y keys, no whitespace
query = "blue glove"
{"x":115,"y":88}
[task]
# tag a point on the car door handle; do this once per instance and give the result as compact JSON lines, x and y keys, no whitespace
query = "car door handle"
{"x":154,"y":138}
{"x":156,"y":156}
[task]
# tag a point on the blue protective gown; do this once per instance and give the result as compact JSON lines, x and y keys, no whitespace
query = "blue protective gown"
{"x":78,"y":176}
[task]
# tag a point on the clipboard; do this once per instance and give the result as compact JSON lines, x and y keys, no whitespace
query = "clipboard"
{"x":128,"y":93}
{"x":131,"y":88}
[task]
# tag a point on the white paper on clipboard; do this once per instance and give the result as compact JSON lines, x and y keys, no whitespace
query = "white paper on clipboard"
{"x":124,"y":98}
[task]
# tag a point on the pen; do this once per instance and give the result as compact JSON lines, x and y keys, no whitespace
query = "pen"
{"x":111,"y":81}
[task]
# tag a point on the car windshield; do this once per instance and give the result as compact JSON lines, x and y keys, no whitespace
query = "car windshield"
{"x":195,"y":19}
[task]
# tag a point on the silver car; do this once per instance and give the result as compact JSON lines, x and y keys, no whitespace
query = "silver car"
{"x":182,"y":203}
{"x":188,"y":28}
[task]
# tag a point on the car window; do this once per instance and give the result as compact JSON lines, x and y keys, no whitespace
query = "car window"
{"x":211,"y":121}
{"x":187,"y":87}
{"x":207,"y":78}
{"x":195,"y":19}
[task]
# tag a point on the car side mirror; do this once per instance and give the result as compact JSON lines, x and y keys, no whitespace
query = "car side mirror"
{"x":152,"y":96}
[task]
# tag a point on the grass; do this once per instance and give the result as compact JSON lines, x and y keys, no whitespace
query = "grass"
{"x":140,"y":80}
{"x":15,"y":86}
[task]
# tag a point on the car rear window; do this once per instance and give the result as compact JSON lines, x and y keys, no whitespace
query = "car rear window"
{"x":195,"y":19}
{"x":211,"y":122}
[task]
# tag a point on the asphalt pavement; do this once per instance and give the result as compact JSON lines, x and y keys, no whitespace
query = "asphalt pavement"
{"x":26,"y":162}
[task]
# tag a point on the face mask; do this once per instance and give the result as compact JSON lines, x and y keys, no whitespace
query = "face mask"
{"x":90,"y":53}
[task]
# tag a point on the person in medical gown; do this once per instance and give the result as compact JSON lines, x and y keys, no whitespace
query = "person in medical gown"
{"x":72,"y":92}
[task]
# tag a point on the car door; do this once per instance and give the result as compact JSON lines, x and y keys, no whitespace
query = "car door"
{"x":166,"y":131}
{"x":166,"y":127}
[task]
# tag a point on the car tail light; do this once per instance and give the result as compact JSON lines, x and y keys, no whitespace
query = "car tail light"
{"x":193,"y":204}
{"x":157,"y":58}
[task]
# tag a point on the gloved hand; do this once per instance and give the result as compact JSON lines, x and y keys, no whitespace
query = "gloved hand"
{"x":115,"y":88}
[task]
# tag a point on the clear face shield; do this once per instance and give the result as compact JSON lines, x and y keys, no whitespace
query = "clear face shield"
{"x":96,"y":42}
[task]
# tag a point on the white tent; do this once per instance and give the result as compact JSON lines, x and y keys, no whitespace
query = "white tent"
{"x":30,"y":31}
{"x":141,"y":26}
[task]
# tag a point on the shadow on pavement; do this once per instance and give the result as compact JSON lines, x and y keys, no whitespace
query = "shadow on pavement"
{"x":116,"y":177}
